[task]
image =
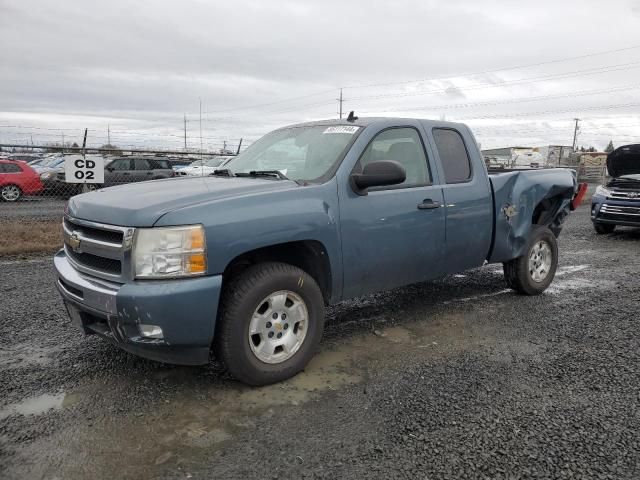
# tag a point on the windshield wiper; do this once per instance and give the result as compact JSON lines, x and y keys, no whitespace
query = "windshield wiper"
{"x":263,"y":173}
{"x":223,"y":172}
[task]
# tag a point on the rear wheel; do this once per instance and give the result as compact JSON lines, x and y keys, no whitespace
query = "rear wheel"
{"x":533,"y":272}
{"x":10,"y":193}
{"x":271,"y":322}
{"x":602,"y":228}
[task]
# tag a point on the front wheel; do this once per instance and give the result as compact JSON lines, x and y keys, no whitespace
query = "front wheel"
{"x":533,"y":272}
{"x":10,"y":193}
{"x":271,"y":322}
{"x":603,"y":228}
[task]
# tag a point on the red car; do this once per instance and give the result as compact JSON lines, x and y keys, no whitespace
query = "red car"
{"x":17,"y":179}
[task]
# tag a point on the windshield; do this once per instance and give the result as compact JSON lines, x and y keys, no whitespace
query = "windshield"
{"x":51,"y":161}
{"x":214,"y":162}
{"x":300,"y":153}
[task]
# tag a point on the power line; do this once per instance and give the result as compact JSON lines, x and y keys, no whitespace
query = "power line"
{"x":445,"y":77}
{"x":516,"y":67}
{"x":483,"y":85}
{"x":518,"y":100}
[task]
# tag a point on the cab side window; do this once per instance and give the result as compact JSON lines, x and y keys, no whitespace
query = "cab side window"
{"x":121,"y":164}
{"x":405,"y":147}
{"x":453,"y":155}
{"x":141,"y":164}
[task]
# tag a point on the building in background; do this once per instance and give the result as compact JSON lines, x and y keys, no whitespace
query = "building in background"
{"x":513,"y":157}
{"x":555,"y":155}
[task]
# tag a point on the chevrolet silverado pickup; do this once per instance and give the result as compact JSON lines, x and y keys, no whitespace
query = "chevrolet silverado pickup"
{"x":618,"y":201}
{"x":242,"y":262}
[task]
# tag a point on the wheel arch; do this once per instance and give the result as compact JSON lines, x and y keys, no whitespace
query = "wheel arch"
{"x":308,"y":255}
{"x":547,"y":213}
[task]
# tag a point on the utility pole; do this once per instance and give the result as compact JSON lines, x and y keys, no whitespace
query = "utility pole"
{"x":575,"y":133}
{"x":185,"y":132}
{"x":108,"y":134}
{"x":239,"y":145}
{"x":224,"y":146}
{"x":200,"y":128}
{"x":62,"y":140}
{"x":340,"y":103}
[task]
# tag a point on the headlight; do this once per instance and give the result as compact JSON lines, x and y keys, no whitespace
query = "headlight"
{"x":46,"y":175}
{"x":603,"y":191}
{"x":167,"y":252}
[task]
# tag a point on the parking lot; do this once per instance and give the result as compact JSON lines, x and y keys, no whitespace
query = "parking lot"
{"x":457,"y":378}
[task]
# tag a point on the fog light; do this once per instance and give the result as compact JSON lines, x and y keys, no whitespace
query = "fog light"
{"x":150,"y":331}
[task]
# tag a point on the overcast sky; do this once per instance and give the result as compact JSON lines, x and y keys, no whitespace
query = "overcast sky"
{"x":140,"y":66}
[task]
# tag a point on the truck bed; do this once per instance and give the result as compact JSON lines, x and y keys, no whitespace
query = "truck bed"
{"x":526,"y":197}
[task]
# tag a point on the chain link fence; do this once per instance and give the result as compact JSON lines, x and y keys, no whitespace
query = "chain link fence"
{"x":34,"y":189}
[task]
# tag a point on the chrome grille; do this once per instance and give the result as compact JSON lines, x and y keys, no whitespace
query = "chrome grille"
{"x":619,"y":213}
{"x":100,"y":250}
{"x":625,"y":195}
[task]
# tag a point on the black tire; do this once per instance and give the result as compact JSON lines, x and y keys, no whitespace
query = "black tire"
{"x":516,"y":271}
{"x":16,"y":193}
{"x":603,"y":228}
{"x":240,"y":300}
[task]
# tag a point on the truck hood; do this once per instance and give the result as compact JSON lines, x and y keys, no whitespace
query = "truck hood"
{"x":624,"y":161}
{"x":142,"y":204}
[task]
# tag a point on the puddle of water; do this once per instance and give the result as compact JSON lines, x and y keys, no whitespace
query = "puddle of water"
{"x":40,"y":404}
{"x":34,"y":405}
{"x":579,"y":284}
{"x":570,"y":269}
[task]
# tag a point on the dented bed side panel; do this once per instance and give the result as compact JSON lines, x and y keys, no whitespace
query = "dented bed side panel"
{"x":517,"y":194}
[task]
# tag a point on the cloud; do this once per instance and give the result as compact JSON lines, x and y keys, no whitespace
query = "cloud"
{"x":146,"y":63}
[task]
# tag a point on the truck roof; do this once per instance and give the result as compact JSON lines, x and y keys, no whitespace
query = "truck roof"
{"x":364,"y":121}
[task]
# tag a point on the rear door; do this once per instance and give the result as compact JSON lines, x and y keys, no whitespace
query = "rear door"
{"x":394,"y":235}
{"x":160,"y":168}
{"x":467,"y":196}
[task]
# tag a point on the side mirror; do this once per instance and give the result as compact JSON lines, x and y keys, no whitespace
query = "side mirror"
{"x":377,"y":174}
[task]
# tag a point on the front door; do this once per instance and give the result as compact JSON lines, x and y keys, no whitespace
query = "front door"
{"x":117,"y":172}
{"x":394,"y":235}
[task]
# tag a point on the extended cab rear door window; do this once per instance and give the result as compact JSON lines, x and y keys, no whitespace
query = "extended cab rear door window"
{"x":403,"y":145}
{"x":453,"y":155}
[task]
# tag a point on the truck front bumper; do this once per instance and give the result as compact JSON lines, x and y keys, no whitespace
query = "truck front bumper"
{"x":185,"y":310}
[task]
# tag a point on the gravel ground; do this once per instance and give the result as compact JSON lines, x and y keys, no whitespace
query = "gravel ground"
{"x":458,"y":378}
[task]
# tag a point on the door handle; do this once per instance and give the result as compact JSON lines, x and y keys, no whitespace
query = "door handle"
{"x":428,"y":204}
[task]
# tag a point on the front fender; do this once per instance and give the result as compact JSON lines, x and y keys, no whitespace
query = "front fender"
{"x":241,"y":224}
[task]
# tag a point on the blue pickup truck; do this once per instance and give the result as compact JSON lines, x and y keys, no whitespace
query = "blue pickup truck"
{"x":618,"y":201}
{"x":243,"y":262}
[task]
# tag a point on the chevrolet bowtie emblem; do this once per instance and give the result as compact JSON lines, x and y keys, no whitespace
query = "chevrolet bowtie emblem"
{"x":74,"y":242}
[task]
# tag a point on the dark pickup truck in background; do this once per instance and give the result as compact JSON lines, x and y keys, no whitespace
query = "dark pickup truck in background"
{"x":618,"y":202}
{"x":244,"y":261}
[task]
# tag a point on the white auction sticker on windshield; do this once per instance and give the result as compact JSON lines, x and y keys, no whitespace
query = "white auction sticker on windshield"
{"x":342,"y":129}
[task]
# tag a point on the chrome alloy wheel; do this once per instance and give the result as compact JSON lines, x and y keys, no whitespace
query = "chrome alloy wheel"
{"x":540,"y":259}
{"x":10,"y":193}
{"x":278,"y":327}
